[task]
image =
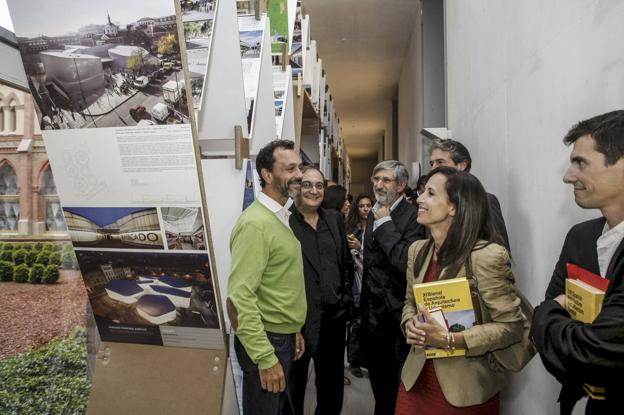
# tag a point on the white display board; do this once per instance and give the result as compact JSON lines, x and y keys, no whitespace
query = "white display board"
{"x":223,"y":102}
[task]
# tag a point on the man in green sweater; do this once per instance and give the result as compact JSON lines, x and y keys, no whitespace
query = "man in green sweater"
{"x":266,"y":289}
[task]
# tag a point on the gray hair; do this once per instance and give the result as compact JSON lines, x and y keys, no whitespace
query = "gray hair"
{"x":402,"y":175}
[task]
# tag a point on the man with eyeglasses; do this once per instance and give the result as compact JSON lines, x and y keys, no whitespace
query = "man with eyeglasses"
{"x":390,"y":230}
{"x":328,"y":271}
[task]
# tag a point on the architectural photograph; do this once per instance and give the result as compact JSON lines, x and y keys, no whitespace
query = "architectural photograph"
{"x":92,"y":65}
{"x":129,"y":289}
{"x":197,"y":19}
{"x":184,"y":228}
{"x":119,"y":228}
{"x":250,"y":43}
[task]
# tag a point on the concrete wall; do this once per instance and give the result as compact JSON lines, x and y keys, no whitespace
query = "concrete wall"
{"x":519,"y":74}
{"x":410,"y":101}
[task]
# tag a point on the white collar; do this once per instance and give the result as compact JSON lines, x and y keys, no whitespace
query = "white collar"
{"x":617,"y":230}
{"x":272,"y":204}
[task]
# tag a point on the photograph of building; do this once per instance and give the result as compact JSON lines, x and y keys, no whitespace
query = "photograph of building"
{"x":120,"y":228}
{"x":250,"y":43}
{"x":144,"y":288}
{"x":29,"y":203}
{"x":184,"y":228}
{"x":95,"y":65}
{"x":197,"y":18}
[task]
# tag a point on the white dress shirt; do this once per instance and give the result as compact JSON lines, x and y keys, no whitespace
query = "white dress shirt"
{"x":385,"y":219}
{"x":282,"y":212}
{"x":607,"y":244}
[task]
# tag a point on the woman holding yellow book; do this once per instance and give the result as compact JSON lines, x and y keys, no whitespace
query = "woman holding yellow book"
{"x":463,"y":242}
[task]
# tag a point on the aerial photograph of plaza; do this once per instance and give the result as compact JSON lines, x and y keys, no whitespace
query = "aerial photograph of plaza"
{"x":93,"y":65}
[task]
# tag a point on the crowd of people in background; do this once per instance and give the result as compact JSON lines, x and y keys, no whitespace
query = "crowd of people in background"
{"x":315,"y":270}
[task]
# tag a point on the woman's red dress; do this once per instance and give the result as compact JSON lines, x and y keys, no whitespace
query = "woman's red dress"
{"x":426,"y":395}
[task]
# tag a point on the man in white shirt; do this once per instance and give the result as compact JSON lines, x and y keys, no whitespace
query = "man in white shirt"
{"x":587,"y":359}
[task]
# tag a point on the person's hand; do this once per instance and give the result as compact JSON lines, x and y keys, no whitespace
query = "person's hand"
{"x":413,"y":335}
{"x":429,"y":333}
{"x":561,"y":299}
{"x":354,"y":243}
{"x":382,"y":212}
{"x":300,"y":346}
{"x":273,"y":379}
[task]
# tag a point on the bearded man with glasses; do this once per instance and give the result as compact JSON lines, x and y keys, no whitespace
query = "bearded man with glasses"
{"x":390,"y":230}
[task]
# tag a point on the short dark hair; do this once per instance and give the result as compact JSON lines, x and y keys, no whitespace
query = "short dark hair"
{"x":607,"y":130}
{"x":308,"y":168}
{"x":459,"y":152}
{"x":334,"y":197}
{"x":266,"y":157}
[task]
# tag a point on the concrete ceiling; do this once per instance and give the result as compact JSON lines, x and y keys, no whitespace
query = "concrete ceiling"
{"x":363,"y":44}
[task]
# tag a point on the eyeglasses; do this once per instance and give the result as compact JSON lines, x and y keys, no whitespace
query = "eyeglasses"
{"x":384,"y":180}
{"x":310,"y":185}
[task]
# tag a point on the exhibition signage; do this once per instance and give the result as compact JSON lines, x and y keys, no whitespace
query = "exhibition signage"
{"x":111,"y":97}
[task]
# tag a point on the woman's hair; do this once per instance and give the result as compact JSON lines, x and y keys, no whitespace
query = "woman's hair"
{"x":334,"y":197}
{"x":353,"y":219}
{"x":472,"y":221}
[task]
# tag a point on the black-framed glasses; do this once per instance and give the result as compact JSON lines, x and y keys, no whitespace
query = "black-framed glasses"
{"x":384,"y":180}
{"x":309,"y":185}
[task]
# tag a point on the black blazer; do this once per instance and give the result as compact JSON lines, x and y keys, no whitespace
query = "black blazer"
{"x":577,"y":353}
{"x":331,"y":298}
{"x":385,"y":263}
{"x":497,"y":219}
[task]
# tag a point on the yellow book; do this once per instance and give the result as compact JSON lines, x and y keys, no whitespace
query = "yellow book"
{"x":583,"y":301}
{"x":452,"y":298}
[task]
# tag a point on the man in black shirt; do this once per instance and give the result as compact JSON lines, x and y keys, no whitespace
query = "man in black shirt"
{"x":328,"y":271}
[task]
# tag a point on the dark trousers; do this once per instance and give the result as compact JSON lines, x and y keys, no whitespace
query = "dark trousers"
{"x":328,"y":367}
{"x":385,"y":355}
{"x":257,"y":401}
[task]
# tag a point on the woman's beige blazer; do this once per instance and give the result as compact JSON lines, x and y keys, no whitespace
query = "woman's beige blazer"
{"x":470,"y":380}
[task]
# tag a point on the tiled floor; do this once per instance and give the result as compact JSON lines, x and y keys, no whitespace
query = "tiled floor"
{"x":358,"y":397}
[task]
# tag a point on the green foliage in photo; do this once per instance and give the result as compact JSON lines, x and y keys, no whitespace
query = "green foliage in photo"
{"x":6,"y":271}
{"x":50,"y":274}
{"x":36,"y":274}
{"x":43,"y":257}
{"x":21,"y":273}
{"x":50,"y":380}
{"x":19,"y":256}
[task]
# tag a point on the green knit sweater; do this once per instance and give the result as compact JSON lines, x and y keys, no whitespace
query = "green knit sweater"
{"x":266,"y":281}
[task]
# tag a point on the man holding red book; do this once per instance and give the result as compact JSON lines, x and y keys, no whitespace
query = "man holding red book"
{"x":587,"y":359}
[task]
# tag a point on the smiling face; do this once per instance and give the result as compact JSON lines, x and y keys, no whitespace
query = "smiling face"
{"x":312,"y":191}
{"x":596,"y":185}
{"x":285,"y":176}
{"x":434,"y":208}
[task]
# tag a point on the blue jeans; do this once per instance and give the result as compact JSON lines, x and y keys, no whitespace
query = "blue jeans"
{"x":257,"y":401}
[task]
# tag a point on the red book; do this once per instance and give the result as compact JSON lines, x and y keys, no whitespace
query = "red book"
{"x":577,"y":273}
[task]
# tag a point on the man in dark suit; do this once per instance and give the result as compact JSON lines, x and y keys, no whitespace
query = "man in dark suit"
{"x":590,"y":356}
{"x":454,"y":154}
{"x":390,"y":230}
{"x":328,"y":271}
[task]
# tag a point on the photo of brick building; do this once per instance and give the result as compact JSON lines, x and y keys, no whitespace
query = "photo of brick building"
{"x":29,"y":204}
